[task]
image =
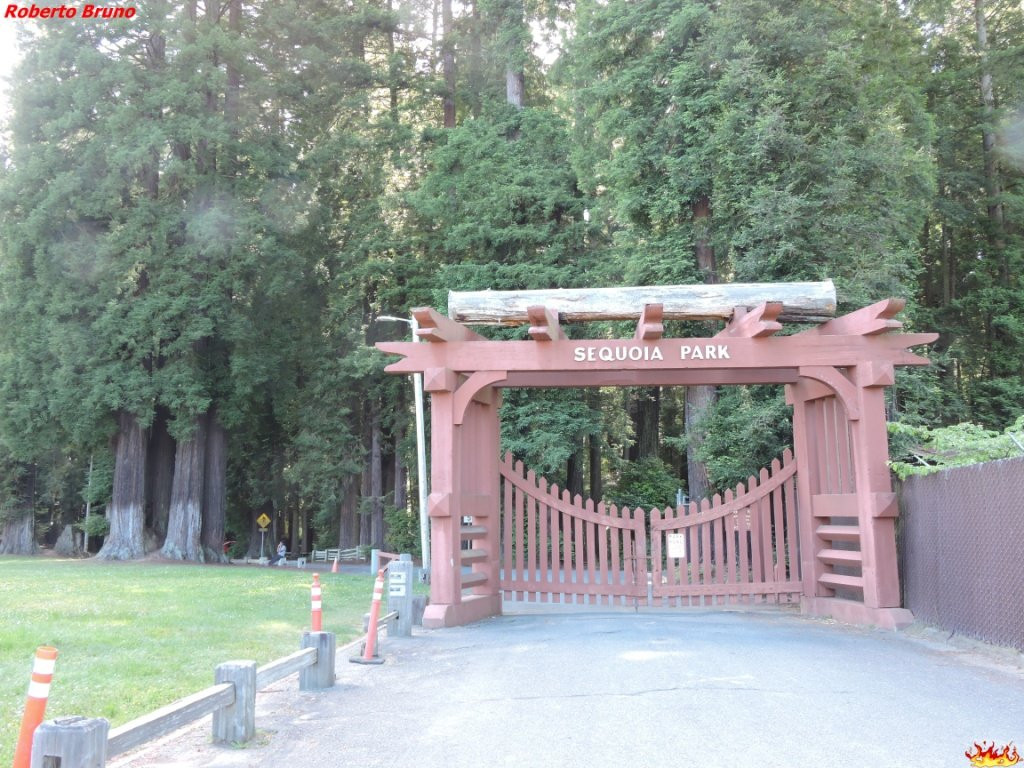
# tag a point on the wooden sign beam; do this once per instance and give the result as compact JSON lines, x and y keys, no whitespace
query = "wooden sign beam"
{"x":716,"y":353}
{"x":801,"y":302}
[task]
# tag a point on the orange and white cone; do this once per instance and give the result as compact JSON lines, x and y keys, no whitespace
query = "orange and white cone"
{"x":35,"y":703}
{"x":317,"y":604}
{"x":334,"y":568}
{"x":370,"y":646}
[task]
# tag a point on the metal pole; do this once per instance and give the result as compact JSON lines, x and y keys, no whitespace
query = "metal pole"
{"x":421,"y":462}
{"x":421,"y":450}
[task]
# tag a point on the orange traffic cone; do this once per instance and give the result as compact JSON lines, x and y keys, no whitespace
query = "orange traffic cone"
{"x":370,"y":646}
{"x":35,"y":704}
{"x":334,"y":568}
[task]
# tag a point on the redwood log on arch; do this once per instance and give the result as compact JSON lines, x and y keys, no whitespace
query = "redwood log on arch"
{"x":801,"y":302}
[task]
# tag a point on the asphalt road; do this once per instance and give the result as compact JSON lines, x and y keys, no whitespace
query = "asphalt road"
{"x":594,"y":689}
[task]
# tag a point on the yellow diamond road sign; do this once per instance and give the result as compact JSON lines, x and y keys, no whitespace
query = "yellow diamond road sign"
{"x":263,"y":521}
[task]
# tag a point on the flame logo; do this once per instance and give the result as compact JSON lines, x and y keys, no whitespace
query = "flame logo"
{"x":989,"y":757}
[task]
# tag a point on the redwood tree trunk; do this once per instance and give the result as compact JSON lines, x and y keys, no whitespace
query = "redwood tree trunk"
{"x":448,"y":63}
{"x":376,"y":483}
{"x":215,"y":491}
{"x":126,"y":514}
{"x":348,"y":528}
{"x":993,"y":187}
{"x":646,"y":415}
{"x":594,"y":459}
{"x":160,"y":475}
{"x":574,"y":473}
{"x":699,"y":401}
{"x":17,"y":535}
{"x":185,"y":522}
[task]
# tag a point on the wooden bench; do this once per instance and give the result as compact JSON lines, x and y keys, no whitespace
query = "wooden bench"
{"x":330,"y":555}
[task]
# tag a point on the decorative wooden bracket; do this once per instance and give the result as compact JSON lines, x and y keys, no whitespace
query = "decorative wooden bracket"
{"x":544,"y":324}
{"x":475,"y":388}
{"x":650,"y":327}
{"x":868,"y":321}
{"x":755,"y":324}
{"x":433,"y":326}
{"x":834,"y":380}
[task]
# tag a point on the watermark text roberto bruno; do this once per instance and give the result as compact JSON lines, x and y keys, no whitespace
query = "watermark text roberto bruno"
{"x":83,"y":11}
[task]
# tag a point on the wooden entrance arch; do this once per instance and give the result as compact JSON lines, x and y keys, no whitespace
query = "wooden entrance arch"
{"x":834,"y":372}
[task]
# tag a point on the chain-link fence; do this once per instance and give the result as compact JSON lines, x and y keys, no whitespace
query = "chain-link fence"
{"x":962,"y":550}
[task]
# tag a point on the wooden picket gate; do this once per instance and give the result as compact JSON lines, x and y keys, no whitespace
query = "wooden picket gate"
{"x":562,"y":549}
{"x":740,"y":548}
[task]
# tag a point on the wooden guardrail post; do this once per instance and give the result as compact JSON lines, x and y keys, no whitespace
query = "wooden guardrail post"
{"x":236,"y":722}
{"x":70,"y":742}
{"x":318,"y":676}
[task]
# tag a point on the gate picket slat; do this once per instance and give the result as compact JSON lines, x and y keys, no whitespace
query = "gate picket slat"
{"x":692,"y":575}
{"x":766,"y":539}
{"x":564,"y":570}
{"x":627,"y":552}
{"x":542,"y":551}
{"x":531,"y":543}
{"x":684,"y":568}
{"x":641,"y":535}
{"x":718,"y":545}
{"x":615,"y":543}
{"x":521,"y":536}
{"x":656,"y":552}
{"x":555,"y":549}
{"x":705,"y":552}
{"x":778,"y":528}
{"x":716,"y":552}
{"x":756,"y":561}
{"x":743,"y":525}
{"x":602,"y":557}
{"x":730,"y":552}
{"x":578,"y":557}
{"x":591,"y":549}
{"x":792,"y":534}
{"x":506,"y":528}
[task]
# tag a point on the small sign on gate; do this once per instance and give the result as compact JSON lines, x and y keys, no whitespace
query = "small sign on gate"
{"x":675,"y":543}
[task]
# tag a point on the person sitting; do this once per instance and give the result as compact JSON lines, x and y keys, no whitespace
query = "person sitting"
{"x":282,"y":550}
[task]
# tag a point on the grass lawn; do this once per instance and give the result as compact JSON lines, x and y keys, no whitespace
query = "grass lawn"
{"x":132,"y":637}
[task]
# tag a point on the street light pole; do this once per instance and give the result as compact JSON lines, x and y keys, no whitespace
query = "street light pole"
{"x":421,"y":449}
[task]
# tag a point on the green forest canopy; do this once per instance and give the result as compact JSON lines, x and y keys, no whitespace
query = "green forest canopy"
{"x":206,"y":206}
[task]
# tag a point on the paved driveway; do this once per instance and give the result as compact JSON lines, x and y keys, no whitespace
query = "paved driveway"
{"x":600,"y":688}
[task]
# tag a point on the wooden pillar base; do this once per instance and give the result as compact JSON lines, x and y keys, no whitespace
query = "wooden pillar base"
{"x":236,"y":724}
{"x":472,"y":608}
{"x":319,"y":676}
{"x":856,"y":613}
{"x":74,"y":742}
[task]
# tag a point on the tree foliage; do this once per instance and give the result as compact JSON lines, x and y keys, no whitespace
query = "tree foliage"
{"x":205,"y":210}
